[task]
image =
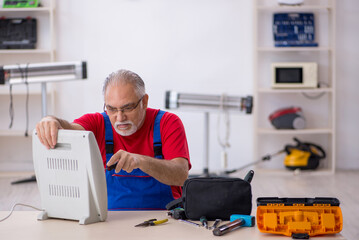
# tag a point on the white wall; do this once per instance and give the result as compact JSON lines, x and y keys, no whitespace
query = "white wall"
{"x":347,"y":84}
{"x":200,"y":46}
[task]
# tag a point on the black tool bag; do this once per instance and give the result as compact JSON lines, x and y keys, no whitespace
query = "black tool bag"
{"x":215,"y":197}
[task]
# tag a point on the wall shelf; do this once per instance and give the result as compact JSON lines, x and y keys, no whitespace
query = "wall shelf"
{"x":26,"y":51}
{"x":38,"y":9}
{"x":295,"y":131}
{"x":279,"y":8}
{"x":286,"y":91}
{"x":293,"y":49}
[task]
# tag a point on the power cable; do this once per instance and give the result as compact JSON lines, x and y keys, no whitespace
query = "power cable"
{"x":24,"y":74}
{"x":11,"y":108}
{"x":225,"y":142}
{"x":19,"y":204}
{"x":319,"y":95}
{"x":27,"y":101}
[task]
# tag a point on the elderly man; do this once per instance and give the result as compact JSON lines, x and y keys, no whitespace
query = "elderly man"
{"x":148,"y":146}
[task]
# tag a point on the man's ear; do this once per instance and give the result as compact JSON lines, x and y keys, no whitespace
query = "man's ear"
{"x":145,"y":101}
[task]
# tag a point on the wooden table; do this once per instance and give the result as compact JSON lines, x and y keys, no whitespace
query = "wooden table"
{"x":119,"y":225}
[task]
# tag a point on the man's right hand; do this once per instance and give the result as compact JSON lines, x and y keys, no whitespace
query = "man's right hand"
{"x":47,"y":130}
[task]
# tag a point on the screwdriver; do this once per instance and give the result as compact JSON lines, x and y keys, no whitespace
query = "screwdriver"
{"x":204,"y":221}
{"x":189,"y":222}
{"x":215,"y":224}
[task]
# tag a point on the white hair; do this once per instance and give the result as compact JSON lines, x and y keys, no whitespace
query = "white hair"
{"x":125,"y":76}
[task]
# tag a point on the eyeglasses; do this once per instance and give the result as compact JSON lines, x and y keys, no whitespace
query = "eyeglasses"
{"x":125,"y":109}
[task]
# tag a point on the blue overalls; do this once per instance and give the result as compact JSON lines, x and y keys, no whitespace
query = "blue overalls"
{"x":135,"y":190}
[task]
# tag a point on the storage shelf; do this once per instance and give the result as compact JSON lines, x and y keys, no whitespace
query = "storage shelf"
{"x":26,"y":51}
{"x":293,"y":49}
{"x":45,"y":52}
{"x":294,"y":131}
{"x":321,"y":128}
{"x":315,"y":90}
{"x":279,"y":8}
{"x":38,"y":9}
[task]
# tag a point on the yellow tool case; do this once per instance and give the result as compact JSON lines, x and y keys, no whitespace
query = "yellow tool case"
{"x":299,"y":217}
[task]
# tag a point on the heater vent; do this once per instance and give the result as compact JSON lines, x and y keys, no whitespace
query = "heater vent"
{"x":64,"y":191}
{"x":62,"y":164}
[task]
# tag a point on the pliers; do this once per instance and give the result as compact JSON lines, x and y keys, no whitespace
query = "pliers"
{"x":151,"y":222}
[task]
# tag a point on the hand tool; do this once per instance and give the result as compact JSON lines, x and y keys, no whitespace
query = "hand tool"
{"x":215,"y":224}
{"x":237,"y":221}
{"x":204,"y":221}
{"x":177,"y":213}
{"x":189,"y":222}
{"x":151,"y":222}
{"x":249,"y":176}
{"x":113,"y":166}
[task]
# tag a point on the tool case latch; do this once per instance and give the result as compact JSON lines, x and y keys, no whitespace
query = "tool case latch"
{"x":300,"y":236}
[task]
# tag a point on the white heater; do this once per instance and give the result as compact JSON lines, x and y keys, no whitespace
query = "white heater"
{"x":71,"y":178}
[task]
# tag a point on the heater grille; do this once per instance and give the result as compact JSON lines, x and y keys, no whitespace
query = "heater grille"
{"x":64,"y":191}
{"x":62,"y":164}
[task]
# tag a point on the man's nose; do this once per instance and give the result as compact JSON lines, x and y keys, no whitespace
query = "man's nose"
{"x":121,"y":116}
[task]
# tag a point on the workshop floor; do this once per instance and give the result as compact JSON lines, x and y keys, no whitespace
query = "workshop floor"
{"x":342,"y":185}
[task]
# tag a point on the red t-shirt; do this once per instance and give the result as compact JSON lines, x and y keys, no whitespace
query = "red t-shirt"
{"x":173,"y":137}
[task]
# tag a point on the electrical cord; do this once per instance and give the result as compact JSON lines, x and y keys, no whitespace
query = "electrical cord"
{"x":27,"y":101}
{"x":19,"y":204}
{"x":24,"y":75}
{"x":11,"y":108}
{"x":223,"y":143}
{"x":311,"y":97}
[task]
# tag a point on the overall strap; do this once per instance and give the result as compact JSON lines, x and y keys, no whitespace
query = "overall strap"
{"x":157,"y":143}
{"x":108,"y":136}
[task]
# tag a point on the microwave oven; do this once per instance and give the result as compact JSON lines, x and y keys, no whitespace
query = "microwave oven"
{"x":295,"y":75}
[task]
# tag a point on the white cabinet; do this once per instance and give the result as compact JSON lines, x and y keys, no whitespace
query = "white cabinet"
{"x":318,"y":104}
{"x":14,"y":147}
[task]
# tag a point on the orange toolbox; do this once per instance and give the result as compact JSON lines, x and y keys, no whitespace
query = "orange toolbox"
{"x":299,"y":218}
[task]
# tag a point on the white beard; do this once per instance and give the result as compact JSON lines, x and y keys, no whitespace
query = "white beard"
{"x":128,"y":132}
